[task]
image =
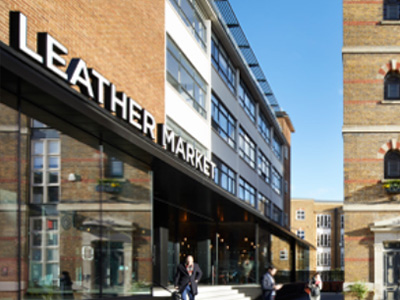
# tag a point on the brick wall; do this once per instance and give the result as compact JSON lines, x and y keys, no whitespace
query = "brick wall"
{"x":123,"y":40}
{"x":370,"y":119}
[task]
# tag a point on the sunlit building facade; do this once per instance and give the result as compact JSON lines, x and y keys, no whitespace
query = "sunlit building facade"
{"x":371,"y":134}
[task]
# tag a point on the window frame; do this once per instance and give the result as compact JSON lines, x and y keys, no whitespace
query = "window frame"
{"x":300,"y":214}
{"x":247,"y":192}
{"x":264,"y":167}
{"x":247,"y":102}
{"x":392,"y":79}
{"x":217,"y":109}
{"x":185,"y":67}
{"x":45,"y":170}
{"x":395,"y":4}
{"x":196,"y":20}
{"x":392,"y":157}
{"x":247,"y":148}
{"x":228,"y":172}
{"x":219,"y":54}
{"x":301,"y":233}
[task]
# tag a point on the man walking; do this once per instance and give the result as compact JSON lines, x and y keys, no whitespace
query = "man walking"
{"x":268,"y":285}
{"x":187,"y":276}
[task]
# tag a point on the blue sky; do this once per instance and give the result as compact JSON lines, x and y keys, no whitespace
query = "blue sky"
{"x":298,"y":45}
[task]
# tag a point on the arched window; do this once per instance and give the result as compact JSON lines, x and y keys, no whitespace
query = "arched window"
{"x":392,"y":86}
{"x":392,"y":165}
{"x":391,"y":10}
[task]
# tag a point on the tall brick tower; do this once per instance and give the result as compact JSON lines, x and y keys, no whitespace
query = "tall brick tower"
{"x":371,"y":133}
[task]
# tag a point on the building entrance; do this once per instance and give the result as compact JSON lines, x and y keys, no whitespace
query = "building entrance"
{"x":392,"y":271}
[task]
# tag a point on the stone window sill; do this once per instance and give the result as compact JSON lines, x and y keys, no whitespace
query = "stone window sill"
{"x":390,"y":22}
{"x":395,"y":102}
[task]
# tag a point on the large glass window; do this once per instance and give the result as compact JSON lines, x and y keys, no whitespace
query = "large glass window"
{"x":190,"y":14}
{"x":247,"y":192}
{"x":323,"y":221}
{"x":225,"y":177}
{"x":223,"y":64}
{"x":86,"y":219}
{"x":247,"y":148}
{"x":264,"y":127}
{"x":277,"y":147}
{"x":45,"y":174}
{"x":247,"y":102}
{"x":391,"y":10}
{"x":324,"y":259}
{"x":264,"y":167}
{"x":223,"y":121}
{"x":182,"y":75}
{"x":264,"y":205}
{"x":324,"y":240}
{"x":276,"y":181}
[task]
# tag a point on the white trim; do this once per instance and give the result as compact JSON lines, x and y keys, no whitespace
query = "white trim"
{"x":371,"y":129}
{"x":370,"y":49}
{"x":371,"y":207}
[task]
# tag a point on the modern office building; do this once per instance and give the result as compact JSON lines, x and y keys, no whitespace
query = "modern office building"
{"x":134,"y":133}
{"x":321,"y":223}
{"x":371,"y":134}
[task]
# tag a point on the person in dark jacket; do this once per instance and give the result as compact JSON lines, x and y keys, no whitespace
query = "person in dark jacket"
{"x":187,"y":276}
{"x":66,"y":286}
{"x":268,"y":285}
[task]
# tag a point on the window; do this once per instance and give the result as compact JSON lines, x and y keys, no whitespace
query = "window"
{"x":247,"y":102}
{"x":264,"y":127}
{"x":264,"y":205}
{"x":392,"y":165}
{"x":300,"y":214}
{"x":185,"y":79}
{"x":223,"y":122}
{"x":342,"y":221}
{"x":247,"y":192}
{"x":323,"y":221}
{"x":222,"y":63}
{"x":391,"y":10}
{"x":392,"y":86}
{"x":323,"y":259}
{"x":277,"y":147}
{"x":324,"y":240}
{"x":44,"y":251}
{"x":45,"y":175}
{"x":247,"y":148}
{"x":264,"y":167}
{"x":276,"y":214}
{"x":283,"y":254}
{"x":301,"y":234}
{"x":276,"y":181}
{"x":225,"y":177}
{"x":116,"y":168}
{"x":190,"y":15}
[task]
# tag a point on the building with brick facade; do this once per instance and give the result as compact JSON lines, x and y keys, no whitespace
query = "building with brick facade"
{"x":132,"y":134}
{"x":371,"y":134}
{"x":321,"y":223}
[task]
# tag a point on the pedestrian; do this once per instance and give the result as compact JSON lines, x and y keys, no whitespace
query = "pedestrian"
{"x":268,"y":285}
{"x":315,"y":286}
{"x":187,"y":276}
{"x":66,"y":286}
